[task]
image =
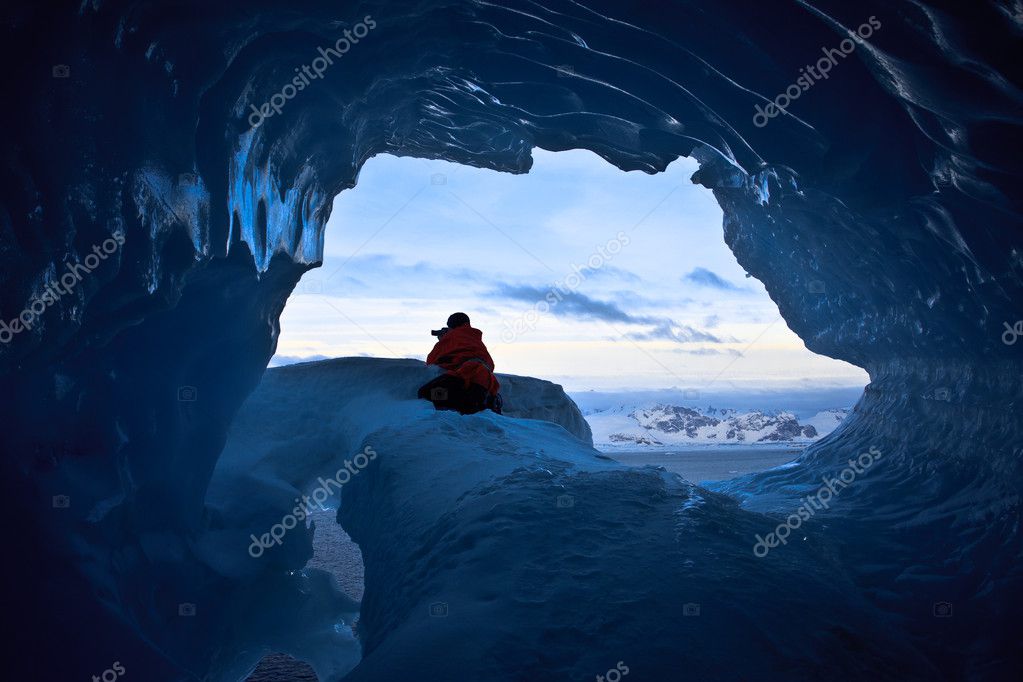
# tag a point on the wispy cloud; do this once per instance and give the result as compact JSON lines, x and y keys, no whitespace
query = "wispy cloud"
{"x":707,"y":278}
{"x":389,"y":278}
{"x":571,"y":303}
{"x":709,"y":351}
{"x":669,"y":330}
{"x":574,"y":304}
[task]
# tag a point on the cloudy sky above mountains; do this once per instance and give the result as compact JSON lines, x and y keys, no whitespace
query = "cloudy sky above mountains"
{"x":576,"y":272}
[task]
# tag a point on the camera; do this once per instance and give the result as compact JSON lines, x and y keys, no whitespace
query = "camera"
{"x":186,"y":609}
{"x":439,"y":332}
{"x":565,"y":501}
{"x":61,"y":501}
{"x":942,"y":609}
{"x":439,"y":609}
{"x":61,"y":71}
{"x":187,"y":394}
{"x":690,"y":609}
{"x":438,"y":393}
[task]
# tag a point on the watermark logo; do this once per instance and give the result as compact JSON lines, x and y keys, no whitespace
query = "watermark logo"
{"x":942,"y":609}
{"x":310,"y":72}
{"x":110,"y":674}
{"x":319,"y":495}
{"x":54,"y":290}
{"x":614,"y":674}
{"x":1012,"y":333}
{"x":439,"y":609}
{"x":61,"y":502}
{"x":601,"y":255}
{"x":186,"y":609}
{"x":61,"y":71}
{"x":809,"y":76}
{"x":690,"y":609}
{"x":814,"y":503}
{"x":565,"y":501}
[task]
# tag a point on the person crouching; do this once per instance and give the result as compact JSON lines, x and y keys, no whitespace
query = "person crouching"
{"x":469,"y":384}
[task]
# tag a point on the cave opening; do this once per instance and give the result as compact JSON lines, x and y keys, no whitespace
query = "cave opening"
{"x":567,"y":269}
{"x":564,"y":268}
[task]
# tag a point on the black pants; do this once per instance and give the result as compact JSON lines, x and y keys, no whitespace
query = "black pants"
{"x":448,"y":392}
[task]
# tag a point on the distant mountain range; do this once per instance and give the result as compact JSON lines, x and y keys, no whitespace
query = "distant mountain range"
{"x":670,"y":425}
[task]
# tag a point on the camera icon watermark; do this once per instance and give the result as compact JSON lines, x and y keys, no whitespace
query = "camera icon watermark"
{"x":438,"y":394}
{"x":815,"y":286}
{"x":942,"y":394}
{"x":307,"y":285}
{"x":942,"y":609}
{"x":61,"y":501}
{"x":439,"y":609}
{"x":186,"y":609}
{"x":61,"y":71}
{"x":690,"y":609}
{"x":690,"y":394}
{"x":565,"y":501}
{"x":187,"y":394}
{"x":565,"y":70}
{"x":438,"y":179}
{"x":1012,"y":332}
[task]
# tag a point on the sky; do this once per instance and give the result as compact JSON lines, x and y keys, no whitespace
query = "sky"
{"x":576,"y":272}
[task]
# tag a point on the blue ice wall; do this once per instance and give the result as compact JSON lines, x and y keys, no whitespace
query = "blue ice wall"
{"x":882,"y":212}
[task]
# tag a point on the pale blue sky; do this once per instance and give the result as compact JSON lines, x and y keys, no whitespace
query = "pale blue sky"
{"x":659,"y":301}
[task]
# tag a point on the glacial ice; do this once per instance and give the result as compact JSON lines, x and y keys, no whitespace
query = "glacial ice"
{"x":883,"y":216}
{"x":507,"y":548}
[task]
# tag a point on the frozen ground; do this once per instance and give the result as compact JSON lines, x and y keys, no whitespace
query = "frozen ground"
{"x":493,"y":545}
{"x":334,"y":551}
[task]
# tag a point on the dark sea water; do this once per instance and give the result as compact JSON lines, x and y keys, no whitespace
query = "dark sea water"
{"x":710,"y":463}
{"x":335,"y":552}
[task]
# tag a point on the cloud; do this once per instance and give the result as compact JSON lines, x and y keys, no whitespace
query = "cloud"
{"x":706,"y":278}
{"x":385,"y":277}
{"x":670,"y":330}
{"x":574,"y":304}
{"x":610,"y":272}
{"x":571,"y":303}
{"x":709,"y":351}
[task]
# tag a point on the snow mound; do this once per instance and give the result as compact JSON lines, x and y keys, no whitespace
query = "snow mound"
{"x":503,"y":548}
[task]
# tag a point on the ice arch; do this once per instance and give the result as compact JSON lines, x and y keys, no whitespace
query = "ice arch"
{"x":892,"y":187}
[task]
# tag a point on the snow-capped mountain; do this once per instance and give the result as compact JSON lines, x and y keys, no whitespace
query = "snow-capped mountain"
{"x":670,"y":425}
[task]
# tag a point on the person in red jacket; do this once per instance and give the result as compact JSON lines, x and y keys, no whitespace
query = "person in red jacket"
{"x":469,"y":384}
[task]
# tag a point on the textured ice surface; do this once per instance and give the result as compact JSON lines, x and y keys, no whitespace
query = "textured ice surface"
{"x":502,"y":548}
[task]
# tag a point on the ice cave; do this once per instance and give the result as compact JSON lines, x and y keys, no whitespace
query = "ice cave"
{"x":170,"y":168}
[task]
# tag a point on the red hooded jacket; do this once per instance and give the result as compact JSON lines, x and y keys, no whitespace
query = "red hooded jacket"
{"x":462,"y":353}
